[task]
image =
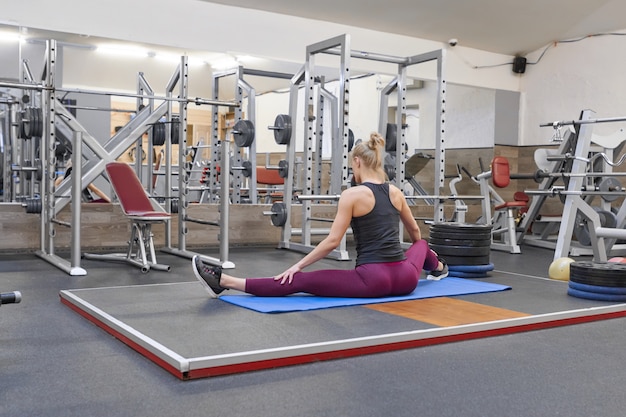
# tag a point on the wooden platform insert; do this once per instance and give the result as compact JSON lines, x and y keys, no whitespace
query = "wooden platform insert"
{"x":444,"y":311}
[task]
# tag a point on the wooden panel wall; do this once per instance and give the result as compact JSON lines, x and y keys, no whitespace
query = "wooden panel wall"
{"x":104,"y":225}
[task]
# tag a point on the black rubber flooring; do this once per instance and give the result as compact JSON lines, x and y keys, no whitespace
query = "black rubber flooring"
{"x":55,"y":363}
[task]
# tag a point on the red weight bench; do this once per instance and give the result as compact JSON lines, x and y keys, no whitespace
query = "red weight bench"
{"x":142,"y":212}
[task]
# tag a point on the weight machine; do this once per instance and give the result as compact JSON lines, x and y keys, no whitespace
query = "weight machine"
{"x":576,"y":165}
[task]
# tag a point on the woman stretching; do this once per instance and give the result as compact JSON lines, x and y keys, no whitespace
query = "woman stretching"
{"x":373,"y":209}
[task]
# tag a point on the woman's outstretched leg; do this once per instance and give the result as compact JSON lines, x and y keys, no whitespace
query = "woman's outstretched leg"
{"x":372,"y":280}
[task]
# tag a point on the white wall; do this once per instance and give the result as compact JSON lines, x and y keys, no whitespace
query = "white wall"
{"x":572,"y":77}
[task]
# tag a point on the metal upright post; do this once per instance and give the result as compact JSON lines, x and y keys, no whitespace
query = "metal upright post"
{"x":48,"y":162}
{"x":440,"y":137}
{"x":77,"y":152}
{"x":573,"y":202}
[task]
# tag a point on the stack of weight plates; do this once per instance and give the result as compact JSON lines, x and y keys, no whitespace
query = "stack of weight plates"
{"x":604,"y":281}
{"x":465,"y":248}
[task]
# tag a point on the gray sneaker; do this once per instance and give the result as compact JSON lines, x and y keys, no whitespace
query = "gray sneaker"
{"x":208,"y":275}
{"x":437,"y":275}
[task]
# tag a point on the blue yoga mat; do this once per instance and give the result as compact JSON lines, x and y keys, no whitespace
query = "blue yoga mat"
{"x":302,"y":302}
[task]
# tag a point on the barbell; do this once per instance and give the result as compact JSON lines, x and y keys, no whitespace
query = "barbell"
{"x":278,"y":211}
{"x":29,"y":168}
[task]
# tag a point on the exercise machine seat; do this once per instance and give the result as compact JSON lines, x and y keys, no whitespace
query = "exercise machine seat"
{"x":133,"y":198}
{"x":271,"y":178}
{"x":504,"y":217}
{"x":501,"y":178}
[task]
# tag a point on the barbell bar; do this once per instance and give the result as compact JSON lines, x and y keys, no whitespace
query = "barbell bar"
{"x":557,"y":124}
{"x":327,"y":197}
{"x":197,"y":100}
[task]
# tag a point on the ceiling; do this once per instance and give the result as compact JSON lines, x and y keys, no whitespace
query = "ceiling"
{"x":509,"y":27}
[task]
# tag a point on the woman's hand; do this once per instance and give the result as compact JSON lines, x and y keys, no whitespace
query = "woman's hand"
{"x":287,"y":276}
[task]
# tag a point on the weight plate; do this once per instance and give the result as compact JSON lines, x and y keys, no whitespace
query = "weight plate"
{"x":158,"y":134}
{"x":466,"y":227}
{"x":605,"y":269}
{"x":175,"y":130}
{"x":28,"y":123}
{"x":581,"y":228}
{"x":174,"y":205}
{"x":597,"y":288}
{"x":243,"y":132}
{"x":283,"y":168}
{"x":350,"y":140}
{"x":598,"y":273}
{"x":279,"y":214}
{"x":39,"y":125}
{"x":39,"y":172}
{"x":467,"y":260}
{"x":459,"y":242}
{"x":461,"y":250}
{"x":472,"y":268}
{"x":595,"y":296}
{"x":391,"y":137}
{"x":33,"y":205}
{"x":247,"y":169}
{"x":460,"y":236}
{"x":598,"y":281}
{"x":21,"y":116}
{"x":460,"y":274}
{"x":282,"y":129}
{"x":608,"y":186}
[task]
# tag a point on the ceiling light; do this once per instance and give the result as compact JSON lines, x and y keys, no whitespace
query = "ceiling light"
{"x":224,"y":63}
{"x":123,"y":50}
{"x":6,"y":36}
{"x":175,"y":59}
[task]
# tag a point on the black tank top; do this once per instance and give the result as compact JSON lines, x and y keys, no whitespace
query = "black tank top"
{"x":377,"y":233}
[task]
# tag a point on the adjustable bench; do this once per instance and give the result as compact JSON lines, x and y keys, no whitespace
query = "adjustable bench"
{"x":142,"y":212}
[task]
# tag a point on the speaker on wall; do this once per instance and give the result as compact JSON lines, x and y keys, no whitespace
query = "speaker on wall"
{"x":519,"y":65}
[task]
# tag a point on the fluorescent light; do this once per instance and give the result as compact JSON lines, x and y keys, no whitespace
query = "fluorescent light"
{"x":123,"y":50}
{"x":6,"y":36}
{"x":175,"y":59}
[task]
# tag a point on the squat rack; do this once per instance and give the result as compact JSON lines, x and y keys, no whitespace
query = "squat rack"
{"x":54,"y":199}
{"x":340,"y":141}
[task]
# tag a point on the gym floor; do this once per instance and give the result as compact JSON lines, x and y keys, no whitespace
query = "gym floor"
{"x":55,"y":363}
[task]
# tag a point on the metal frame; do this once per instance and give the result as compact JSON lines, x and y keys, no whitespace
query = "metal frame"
{"x":89,"y":161}
{"x":316,"y":97}
{"x":313,"y":85}
{"x":183,"y":186}
{"x":578,"y":144}
{"x":187,"y":368}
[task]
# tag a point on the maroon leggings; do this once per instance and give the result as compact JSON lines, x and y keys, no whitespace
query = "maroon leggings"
{"x":369,"y":280}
